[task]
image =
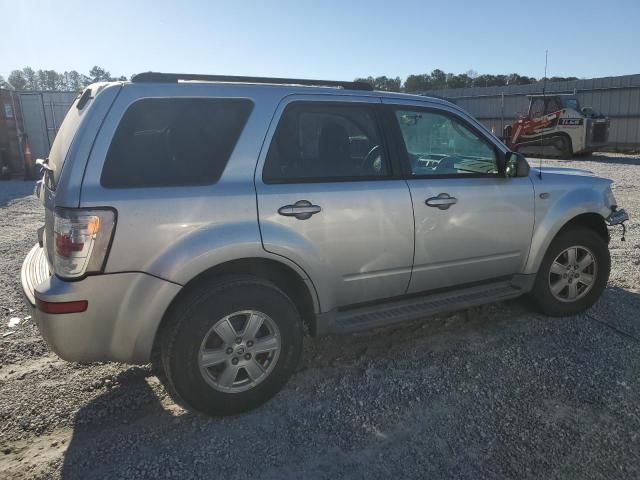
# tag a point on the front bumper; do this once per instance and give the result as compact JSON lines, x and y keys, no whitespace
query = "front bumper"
{"x":617,"y":217}
{"x":123,"y":314}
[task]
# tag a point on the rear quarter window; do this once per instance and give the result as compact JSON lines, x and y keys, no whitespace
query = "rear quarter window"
{"x":163,"y":142}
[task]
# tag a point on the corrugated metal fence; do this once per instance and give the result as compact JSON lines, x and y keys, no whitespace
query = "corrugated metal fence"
{"x":616,"y":97}
{"x":43,"y":113}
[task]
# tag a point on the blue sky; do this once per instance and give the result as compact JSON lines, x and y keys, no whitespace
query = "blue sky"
{"x":323,"y":39}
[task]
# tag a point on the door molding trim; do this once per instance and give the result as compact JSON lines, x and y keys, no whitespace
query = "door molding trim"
{"x":465,"y":261}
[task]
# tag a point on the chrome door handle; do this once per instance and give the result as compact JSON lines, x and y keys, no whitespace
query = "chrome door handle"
{"x":302,"y":210}
{"x":442,"y":201}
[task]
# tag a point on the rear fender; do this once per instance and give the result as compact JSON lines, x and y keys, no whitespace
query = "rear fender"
{"x":214,"y":245}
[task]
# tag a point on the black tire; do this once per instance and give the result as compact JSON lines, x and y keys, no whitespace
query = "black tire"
{"x":584,"y":154}
{"x":541,"y":294}
{"x":196,"y":314}
{"x":566,"y":148}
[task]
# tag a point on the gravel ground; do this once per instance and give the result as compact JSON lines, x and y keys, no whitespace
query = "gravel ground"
{"x":494,"y":392}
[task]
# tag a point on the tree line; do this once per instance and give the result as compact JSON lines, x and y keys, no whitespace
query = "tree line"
{"x":438,"y":79}
{"x":29,"y":79}
{"x":73,"y":81}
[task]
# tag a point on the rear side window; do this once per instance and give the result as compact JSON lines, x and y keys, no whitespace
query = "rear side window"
{"x":326,"y":142}
{"x":174,"y":141}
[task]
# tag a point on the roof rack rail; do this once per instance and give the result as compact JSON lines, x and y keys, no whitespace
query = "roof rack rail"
{"x":175,"y":77}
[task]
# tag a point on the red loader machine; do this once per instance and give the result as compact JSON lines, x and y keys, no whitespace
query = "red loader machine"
{"x":556,"y":126}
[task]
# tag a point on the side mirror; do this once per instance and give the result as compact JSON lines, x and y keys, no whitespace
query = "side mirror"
{"x":516,"y":165}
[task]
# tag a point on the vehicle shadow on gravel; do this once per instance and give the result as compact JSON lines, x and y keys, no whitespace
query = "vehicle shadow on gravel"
{"x":336,"y":408}
{"x":131,"y":421}
{"x":113,"y":424}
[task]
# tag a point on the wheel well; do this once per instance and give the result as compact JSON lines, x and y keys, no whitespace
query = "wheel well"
{"x":592,"y":221}
{"x":567,"y":137}
{"x":281,"y":275}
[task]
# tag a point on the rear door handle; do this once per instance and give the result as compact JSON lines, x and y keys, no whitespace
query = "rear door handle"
{"x":302,"y":210}
{"x":442,"y":201}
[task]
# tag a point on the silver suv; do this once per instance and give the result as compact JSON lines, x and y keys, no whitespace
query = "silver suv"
{"x":206,"y":223}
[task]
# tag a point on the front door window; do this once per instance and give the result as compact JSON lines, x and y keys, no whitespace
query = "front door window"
{"x":438,"y":144}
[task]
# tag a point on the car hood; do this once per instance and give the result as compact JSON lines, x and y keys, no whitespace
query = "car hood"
{"x":562,"y":171}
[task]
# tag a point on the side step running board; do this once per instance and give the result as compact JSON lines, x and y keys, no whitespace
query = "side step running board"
{"x":414,"y":308}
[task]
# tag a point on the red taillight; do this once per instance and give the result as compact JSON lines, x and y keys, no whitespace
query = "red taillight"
{"x":62,"y":307}
{"x":65,"y":245}
{"x":80,"y":240}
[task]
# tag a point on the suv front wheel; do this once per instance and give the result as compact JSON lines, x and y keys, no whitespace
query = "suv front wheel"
{"x":230,"y":346}
{"x":573,"y":273}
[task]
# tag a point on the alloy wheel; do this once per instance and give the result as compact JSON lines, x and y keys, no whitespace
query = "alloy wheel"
{"x":239,"y":351}
{"x":572,"y":274}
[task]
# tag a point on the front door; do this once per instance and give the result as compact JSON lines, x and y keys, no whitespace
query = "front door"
{"x":330,"y":200}
{"x":471,"y":223}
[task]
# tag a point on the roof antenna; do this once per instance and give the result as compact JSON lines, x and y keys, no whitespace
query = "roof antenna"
{"x":544,"y":102}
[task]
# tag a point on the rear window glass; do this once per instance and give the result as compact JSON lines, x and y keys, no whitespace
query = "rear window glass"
{"x":172,"y":142}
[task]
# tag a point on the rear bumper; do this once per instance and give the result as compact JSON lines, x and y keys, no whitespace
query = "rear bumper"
{"x":35,"y":270}
{"x":123,"y":314}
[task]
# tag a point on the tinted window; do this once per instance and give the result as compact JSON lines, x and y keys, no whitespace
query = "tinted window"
{"x":438,"y":144}
{"x":321,"y":142}
{"x":170,"y":142}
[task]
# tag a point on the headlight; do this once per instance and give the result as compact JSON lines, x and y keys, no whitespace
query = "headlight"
{"x":609,"y":198}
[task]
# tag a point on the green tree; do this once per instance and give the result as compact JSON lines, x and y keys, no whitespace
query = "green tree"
{"x":17,"y":79}
{"x":515,"y":79}
{"x":488,"y":80}
{"x":562,"y":79}
{"x":99,"y":74}
{"x":438,"y":79}
{"x":73,"y":81}
{"x":418,"y":83}
{"x":49,"y":80}
{"x":458,"y":81}
{"x":383,"y":83}
{"x":32,"y":79}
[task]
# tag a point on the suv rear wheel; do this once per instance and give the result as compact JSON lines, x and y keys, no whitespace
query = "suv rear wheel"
{"x":230,"y":346}
{"x":573,"y":273}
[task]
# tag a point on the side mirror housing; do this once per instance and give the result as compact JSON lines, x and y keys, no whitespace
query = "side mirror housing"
{"x":516,"y":165}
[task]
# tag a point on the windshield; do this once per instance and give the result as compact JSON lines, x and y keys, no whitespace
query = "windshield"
{"x":570,"y":102}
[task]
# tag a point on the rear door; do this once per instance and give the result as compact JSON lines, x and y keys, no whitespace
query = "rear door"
{"x":472,"y":223}
{"x":330,"y":199}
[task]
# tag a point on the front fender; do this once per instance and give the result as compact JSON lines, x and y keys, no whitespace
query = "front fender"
{"x":555,"y":211}
{"x":213,"y":245}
